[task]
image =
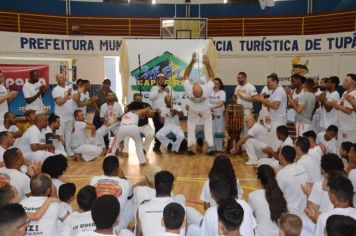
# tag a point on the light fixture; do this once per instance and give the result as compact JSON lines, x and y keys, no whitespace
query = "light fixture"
{"x":225,"y":1}
{"x":153,"y":1}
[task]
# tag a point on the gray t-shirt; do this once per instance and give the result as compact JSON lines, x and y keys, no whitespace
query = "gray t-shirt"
{"x":307,"y":99}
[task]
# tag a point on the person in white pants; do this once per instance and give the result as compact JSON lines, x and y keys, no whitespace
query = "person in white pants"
{"x":276,"y":103}
{"x":170,"y":117}
{"x":143,"y":125}
{"x":63,"y":107}
{"x":199,"y":105}
{"x":33,"y":142}
{"x":110,"y":115}
{"x":256,"y":139}
{"x":129,"y":128}
{"x":83,"y":147}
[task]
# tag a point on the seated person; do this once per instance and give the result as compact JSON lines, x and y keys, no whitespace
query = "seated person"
{"x":344,"y":152}
{"x":51,"y":136}
{"x":66,"y":194}
{"x":55,"y":166}
{"x":30,"y":116}
{"x":13,"y":220}
{"x":33,"y":143}
{"x":12,"y":174}
{"x":105,"y":212}
{"x":111,"y":183}
{"x":6,"y":141}
{"x":173,"y":219}
{"x":315,"y":150}
{"x":41,"y":188}
{"x":81,"y":220}
{"x":290,"y":225}
{"x":256,"y":139}
{"x":83,"y":147}
{"x":339,"y":225}
{"x":10,"y":125}
{"x":327,"y":139}
{"x":230,"y":215}
{"x":170,"y":115}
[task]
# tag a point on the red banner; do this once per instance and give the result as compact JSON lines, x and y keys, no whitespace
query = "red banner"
{"x":16,"y":75}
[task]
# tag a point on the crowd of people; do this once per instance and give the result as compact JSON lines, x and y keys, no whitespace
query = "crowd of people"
{"x":302,"y":144}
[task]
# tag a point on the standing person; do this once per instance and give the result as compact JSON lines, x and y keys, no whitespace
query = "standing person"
{"x":245,"y":93}
{"x":346,"y":114}
{"x":328,"y":114}
{"x":5,"y":98}
{"x":199,"y":105}
{"x":82,"y":98}
{"x":276,"y":103}
{"x":293,"y":93}
{"x":268,"y":203}
{"x":101,"y":94}
{"x":63,"y":108}
{"x":304,"y":108}
{"x":170,"y":114}
{"x":143,"y":125}
{"x":129,"y":128}
{"x":217,"y":99}
{"x":33,"y":91}
{"x":157,"y":95}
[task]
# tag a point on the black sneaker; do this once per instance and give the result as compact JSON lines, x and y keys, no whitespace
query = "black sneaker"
{"x":169,"y":147}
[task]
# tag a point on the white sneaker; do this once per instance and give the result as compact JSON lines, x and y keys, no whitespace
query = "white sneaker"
{"x":251,"y":163}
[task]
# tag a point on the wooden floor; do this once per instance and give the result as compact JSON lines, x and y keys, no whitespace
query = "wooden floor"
{"x":190,"y":172}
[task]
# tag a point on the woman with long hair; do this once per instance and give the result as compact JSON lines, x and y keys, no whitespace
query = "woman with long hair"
{"x":222,"y":165}
{"x":217,"y":99}
{"x":268,"y":203}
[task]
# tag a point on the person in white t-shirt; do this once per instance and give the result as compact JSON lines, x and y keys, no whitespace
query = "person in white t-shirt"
{"x":9,"y":124}
{"x":222,"y":164}
{"x":105,"y":213}
{"x":173,"y":219}
{"x":221,"y":188}
{"x":150,"y":212}
{"x":290,"y":178}
{"x":33,"y":142}
{"x":6,"y":141}
{"x":157,"y":94}
{"x":81,"y":97}
{"x":12,"y":175}
{"x":170,"y":115}
{"x":340,"y":192}
{"x":41,"y":188}
{"x":276,"y":103}
{"x":5,"y":98}
{"x":340,"y":225}
{"x":327,"y":140}
{"x":352,"y":169}
{"x":199,"y":105}
{"x":33,"y":92}
{"x":84,"y":147}
{"x":231,"y":215}
{"x":315,"y":151}
{"x":63,"y":107}
{"x":328,"y":114}
{"x":256,"y":139}
{"x":290,"y":224}
{"x":111,"y":183}
{"x":129,"y":128}
{"x":217,"y":99}
{"x":346,"y":113}
{"x":304,"y":107}
{"x":318,"y":198}
{"x":81,"y":220}
{"x":268,"y":203}
{"x":308,"y":162}
{"x":51,"y":135}
{"x":13,"y":220}
{"x":282,"y":134}
{"x":110,"y":116}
